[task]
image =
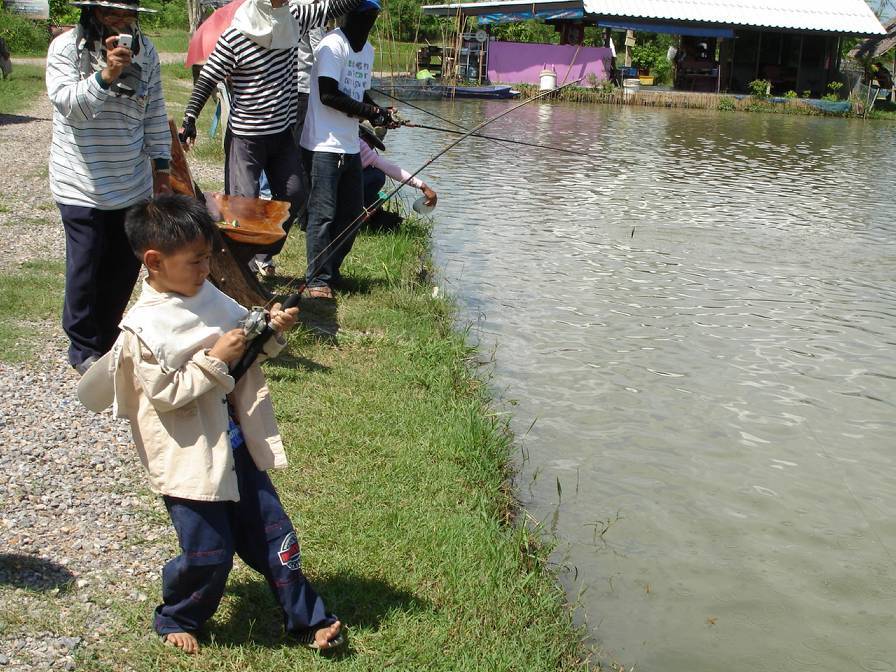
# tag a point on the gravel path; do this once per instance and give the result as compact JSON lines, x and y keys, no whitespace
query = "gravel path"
{"x":30,"y":226}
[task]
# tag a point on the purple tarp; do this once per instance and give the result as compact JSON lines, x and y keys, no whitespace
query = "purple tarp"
{"x":518,"y":63}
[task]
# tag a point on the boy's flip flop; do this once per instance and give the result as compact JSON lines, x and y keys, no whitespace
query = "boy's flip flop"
{"x":306,"y":639}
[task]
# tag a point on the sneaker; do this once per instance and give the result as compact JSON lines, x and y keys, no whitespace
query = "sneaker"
{"x":268,"y":270}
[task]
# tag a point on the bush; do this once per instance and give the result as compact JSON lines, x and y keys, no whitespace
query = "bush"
{"x":171,"y":14}
{"x":833,"y":94}
{"x":651,"y":54}
{"x":63,"y":14}
{"x":23,"y":36}
{"x":726,"y":104}
{"x":790,"y":94}
{"x":759,"y":88}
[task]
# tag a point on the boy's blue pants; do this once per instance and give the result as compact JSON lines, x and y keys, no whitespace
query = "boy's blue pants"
{"x":259,"y":531}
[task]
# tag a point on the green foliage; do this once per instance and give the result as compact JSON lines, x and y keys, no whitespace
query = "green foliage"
{"x":402,"y":20}
{"x":726,"y":104}
{"x":23,"y":36}
{"x":171,"y":14}
{"x":806,"y":94}
{"x":527,"y":31}
{"x":790,"y":94}
{"x":650,"y":53}
{"x":759,"y":88}
{"x":63,"y":13}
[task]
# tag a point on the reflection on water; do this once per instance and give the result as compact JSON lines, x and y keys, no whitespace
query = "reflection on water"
{"x":700,"y":317}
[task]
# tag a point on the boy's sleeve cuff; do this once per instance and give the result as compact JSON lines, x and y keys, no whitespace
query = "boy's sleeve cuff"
{"x":102,"y":82}
{"x":161,"y":164}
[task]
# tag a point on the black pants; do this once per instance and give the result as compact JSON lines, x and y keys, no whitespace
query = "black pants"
{"x":100,"y":272}
{"x":334,"y":206}
{"x":278,"y":156}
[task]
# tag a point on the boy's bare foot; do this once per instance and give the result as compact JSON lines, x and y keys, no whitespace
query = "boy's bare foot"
{"x":328,"y":637}
{"x":183,"y":640}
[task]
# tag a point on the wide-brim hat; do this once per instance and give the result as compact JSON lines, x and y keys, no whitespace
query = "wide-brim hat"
{"x":120,"y":4}
{"x":96,"y":389}
{"x":373,"y":134}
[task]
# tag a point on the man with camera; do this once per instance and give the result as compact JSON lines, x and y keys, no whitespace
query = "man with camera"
{"x":111,"y":149}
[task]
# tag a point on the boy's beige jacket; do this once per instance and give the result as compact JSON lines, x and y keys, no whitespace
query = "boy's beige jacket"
{"x":179,"y":420}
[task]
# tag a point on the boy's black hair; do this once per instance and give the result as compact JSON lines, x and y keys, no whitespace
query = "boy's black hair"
{"x":167,"y":223}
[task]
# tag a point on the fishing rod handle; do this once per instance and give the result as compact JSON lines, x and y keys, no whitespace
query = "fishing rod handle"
{"x":257,"y":344}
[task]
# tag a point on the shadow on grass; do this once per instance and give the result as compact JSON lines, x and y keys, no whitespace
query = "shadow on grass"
{"x":359,"y":602}
{"x":287,"y":360}
{"x":26,"y":571}
{"x":10,"y":119}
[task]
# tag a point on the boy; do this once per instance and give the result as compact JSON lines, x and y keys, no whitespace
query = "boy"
{"x":204,"y":440}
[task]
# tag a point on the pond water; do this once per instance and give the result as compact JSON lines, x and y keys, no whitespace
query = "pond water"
{"x":695,"y":321}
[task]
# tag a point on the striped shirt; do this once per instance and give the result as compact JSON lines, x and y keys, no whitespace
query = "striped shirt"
{"x":102,"y":142}
{"x":263,"y":82}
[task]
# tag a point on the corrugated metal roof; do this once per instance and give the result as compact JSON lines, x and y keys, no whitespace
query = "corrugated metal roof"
{"x":842,"y":16}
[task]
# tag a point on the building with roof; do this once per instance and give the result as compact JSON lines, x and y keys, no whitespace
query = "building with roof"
{"x":723,"y":44}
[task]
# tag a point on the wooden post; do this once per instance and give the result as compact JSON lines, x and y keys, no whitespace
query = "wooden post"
{"x":799,"y":65}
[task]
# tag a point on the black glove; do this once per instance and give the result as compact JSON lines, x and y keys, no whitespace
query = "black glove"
{"x":380,"y":117}
{"x":188,"y":130}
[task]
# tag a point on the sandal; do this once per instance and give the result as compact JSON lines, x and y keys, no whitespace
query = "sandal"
{"x":319,"y":292}
{"x":306,"y":638}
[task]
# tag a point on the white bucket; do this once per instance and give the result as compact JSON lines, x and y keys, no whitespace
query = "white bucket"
{"x":547,"y":81}
{"x":631,"y":85}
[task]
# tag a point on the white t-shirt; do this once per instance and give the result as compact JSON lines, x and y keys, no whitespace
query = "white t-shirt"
{"x":327,"y":129}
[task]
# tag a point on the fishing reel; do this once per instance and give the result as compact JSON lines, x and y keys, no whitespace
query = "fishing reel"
{"x":254,"y":323}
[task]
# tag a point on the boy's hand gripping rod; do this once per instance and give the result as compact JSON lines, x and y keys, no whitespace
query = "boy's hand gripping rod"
{"x":257,"y":343}
{"x":255,"y":324}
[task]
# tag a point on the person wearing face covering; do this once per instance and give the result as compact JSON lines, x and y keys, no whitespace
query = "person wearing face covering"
{"x":258,"y":52}
{"x":340,"y":79}
{"x":111,"y":149}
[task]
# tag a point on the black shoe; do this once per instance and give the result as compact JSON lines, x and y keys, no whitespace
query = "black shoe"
{"x":82,"y":367}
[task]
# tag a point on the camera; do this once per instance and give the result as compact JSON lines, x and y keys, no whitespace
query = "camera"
{"x":125,"y":40}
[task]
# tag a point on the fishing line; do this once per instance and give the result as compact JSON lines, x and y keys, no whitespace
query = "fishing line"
{"x":495,"y":137}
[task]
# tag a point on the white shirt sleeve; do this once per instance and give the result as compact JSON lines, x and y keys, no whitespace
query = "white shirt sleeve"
{"x":329,"y":59}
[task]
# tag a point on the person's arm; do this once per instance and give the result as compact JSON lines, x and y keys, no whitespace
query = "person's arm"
{"x":316,"y":14}
{"x":331,"y":96}
{"x":395,"y":171}
{"x":156,"y":135}
{"x":221,"y":63}
{"x":75,"y":98}
{"x":171,"y":390}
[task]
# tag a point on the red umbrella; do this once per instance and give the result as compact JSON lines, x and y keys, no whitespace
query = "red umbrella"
{"x":206,"y":36}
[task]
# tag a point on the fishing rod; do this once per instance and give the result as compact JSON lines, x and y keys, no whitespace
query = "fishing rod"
{"x":410,"y":124}
{"x":463,"y":128}
{"x":293,"y":299}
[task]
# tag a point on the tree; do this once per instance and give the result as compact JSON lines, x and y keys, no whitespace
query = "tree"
{"x":194,"y":14}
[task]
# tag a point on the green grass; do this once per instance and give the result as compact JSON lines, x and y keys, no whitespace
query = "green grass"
{"x":169,"y":39}
{"x":177,"y":84}
{"x":32,"y":293}
{"x":24,"y":85}
{"x":397,"y":485}
{"x":883,"y":110}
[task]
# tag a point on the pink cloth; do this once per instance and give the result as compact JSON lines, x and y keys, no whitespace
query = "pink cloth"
{"x":369,"y":157}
